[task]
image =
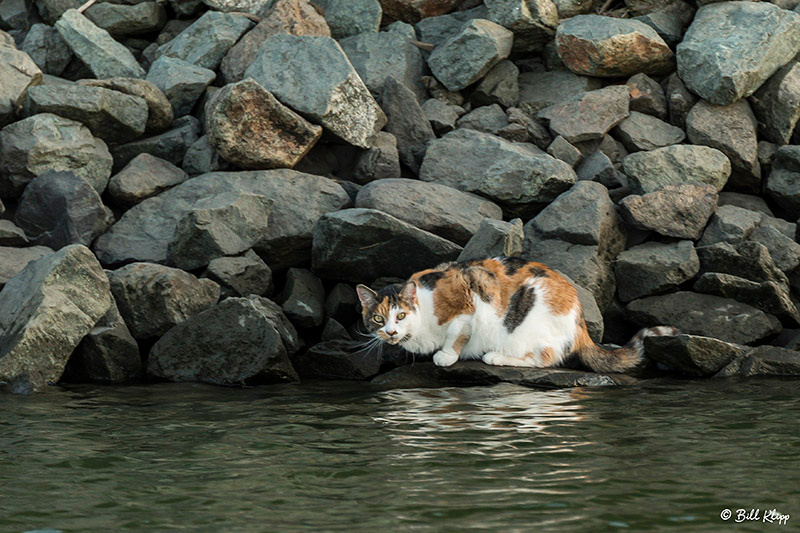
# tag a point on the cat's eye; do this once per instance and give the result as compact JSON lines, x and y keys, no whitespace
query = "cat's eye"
{"x":378,"y":319}
{"x":401,"y":316}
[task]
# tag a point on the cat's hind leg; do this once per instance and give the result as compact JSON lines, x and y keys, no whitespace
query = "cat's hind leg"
{"x":500,"y":359}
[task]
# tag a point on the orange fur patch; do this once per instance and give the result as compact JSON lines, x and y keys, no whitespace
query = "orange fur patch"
{"x":560,"y":295}
{"x":461,"y":341}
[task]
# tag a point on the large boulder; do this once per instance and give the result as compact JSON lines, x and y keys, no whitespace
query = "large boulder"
{"x":145,"y":231}
{"x":104,"y":56}
{"x":251,"y":129}
{"x":732,"y":48}
{"x":680,"y":211}
{"x":515,"y":175}
{"x":692,"y":354}
{"x":153,"y":298}
{"x":18,"y":72}
{"x":332,"y":93}
{"x":49,"y":142}
{"x":143,"y":177}
{"x":604,"y":46}
{"x":110,"y":115}
{"x":60,"y":208}
{"x":46,"y":310}
{"x":236,"y":342}
{"x":208,"y":39}
{"x":361,"y":245}
{"x":590,"y":116}
{"x":654,"y":267}
{"x":439,"y":209}
{"x":677,"y":164}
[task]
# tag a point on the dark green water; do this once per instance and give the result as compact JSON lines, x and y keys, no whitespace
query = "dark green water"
{"x":336,"y":456}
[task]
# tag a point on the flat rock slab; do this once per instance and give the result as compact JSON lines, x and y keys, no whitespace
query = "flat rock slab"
{"x":538,"y":90}
{"x":706,"y":315}
{"x":654,"y":267}
{"x":515,"y":175}
{"x":13,"y":260}
{"x":677,"y":164}
{"x":49,"y":142}
{"x":732,"y":48}
{"x":104,"y":56}
{"x":18,"y":72}
{"x":208,"y":39}
{"x":110,"y":115}
{"x":692,"y":354}
{"x":611,"y":47}
{"x":250,"y":128}
{"x":332,"y":93}
{"x":145,"y":231}
{"x":143,"y":177}
{"x":46,"y":310}
{"x":235,"y":342}
{"x":589,"y":116}
{"x":361,"y":245}
{"x":469,"y":55}
{"x":640,"y":132}
{"x":680,"y":211}
{"x":439,"y":209}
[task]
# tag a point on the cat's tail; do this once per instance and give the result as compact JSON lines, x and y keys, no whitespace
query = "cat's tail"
{"x":628,"y":357}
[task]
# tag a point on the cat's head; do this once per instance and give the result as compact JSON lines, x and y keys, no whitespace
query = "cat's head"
{"x":391,"y":313}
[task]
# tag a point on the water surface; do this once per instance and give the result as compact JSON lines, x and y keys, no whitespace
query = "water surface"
{"x":664,"y":456}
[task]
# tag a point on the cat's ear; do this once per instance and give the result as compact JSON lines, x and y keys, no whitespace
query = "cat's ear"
{"x":409,"y":292}
{"x":367,"y":296}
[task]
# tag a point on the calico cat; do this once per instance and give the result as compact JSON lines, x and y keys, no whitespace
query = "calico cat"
{"x":505,"y":311}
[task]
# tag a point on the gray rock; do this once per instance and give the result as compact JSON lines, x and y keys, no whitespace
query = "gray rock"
{"x":208,"y":39}
{"x":605,"y":46}
{"x":731,"y":130}
{"x":598,"y":167}
{"x":361,"y":245}
{"x":499,"y":86}
{"x":251,"y":129}
{"x":121,"y":19}
{"x":561,"y":149}
{"x":777,"y":104}
{"x":523,"y":128}
{"x":6,"y":39}
{"x":533,"y":22}
{"x":768,"y":296}
{"x":591,"y":312}
{"x":468,"y":56}
{"x":654,"y":267}
{"x":108,"y":353}
{"x":439,"y":209}
{"x":680,"y":211}
{"x":732,"y":48}
{"x":153,"y":298}
{"x":379,"y":56}
{"x":303,"y":298}
{"x":516,"y":176}
{"x":18,"y":72}
{"x":47,"y":49}
{"x":380,"y":161}
{"x":488,"y":119}
{"x":15,"y":15}
{"x":539,"y":90}
{"x":441,"y":115}
{"x":748,"y":260}
{"x":296,"y":17}
{"x":46,"y":310}
{"x":235,"y":342}
{"x":352,"y":17}
{"x":570,"y":8}
{"x":437,"y":29}
{"x":645,"y":132}
{"x":13,"y":260}
{"x":679,"y":99}
{"x":745,"y":201}
{"x":170,"y":145}
{"x":60,"y":208}
{"x":706,"y":315}
{"x":589,"y":117}
{"x":766,"y":152}
{"x":333,"y":330}
{"x":201,"y":158}
{"x":104,"y":56}
{"x":228,"y":223}
{"x":582,"y":215}
{"x":48,"y":142}
{"x":730,"y":224}
{"x":666,"y":23}
{"x":183,"y":83}
{"x":333,"y":95}
{"x":407,"y":122}
{"x":647,"y":96}
{"x":494,"y":238}
{"x":692,"y":354}
{"x":253,"y":7}
{"x":11,"y":235}
{"x":110,"y":115}
{"x":782,"y":248}
{"x":185,"y":8}
{"x":143,"y":177}
{"x":241,"y":275}
{"x":347,"y":359}
{"x":672,"y":165}
{"x":51,"y":10}
{"x":144,"y":232}
{"x":782,"y":183}
{"x":770,"y":361}
{"x":160,"y":110}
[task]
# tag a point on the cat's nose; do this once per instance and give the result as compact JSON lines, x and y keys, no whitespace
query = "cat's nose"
{"x":391,"y":333}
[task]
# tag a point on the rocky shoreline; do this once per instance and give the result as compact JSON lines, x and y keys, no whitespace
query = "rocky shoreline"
{"x":190,"y":190}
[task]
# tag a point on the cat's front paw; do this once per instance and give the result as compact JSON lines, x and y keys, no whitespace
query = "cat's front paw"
{"x":442,"y":358}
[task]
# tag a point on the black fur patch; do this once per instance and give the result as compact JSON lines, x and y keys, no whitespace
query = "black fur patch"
{"x":519,"y":306}
{"x":476,"y":277}
{"x":513,"y":264}
{"x":537,"y":272}
{"x":429,"y":280}
{"x":392,"y":292}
